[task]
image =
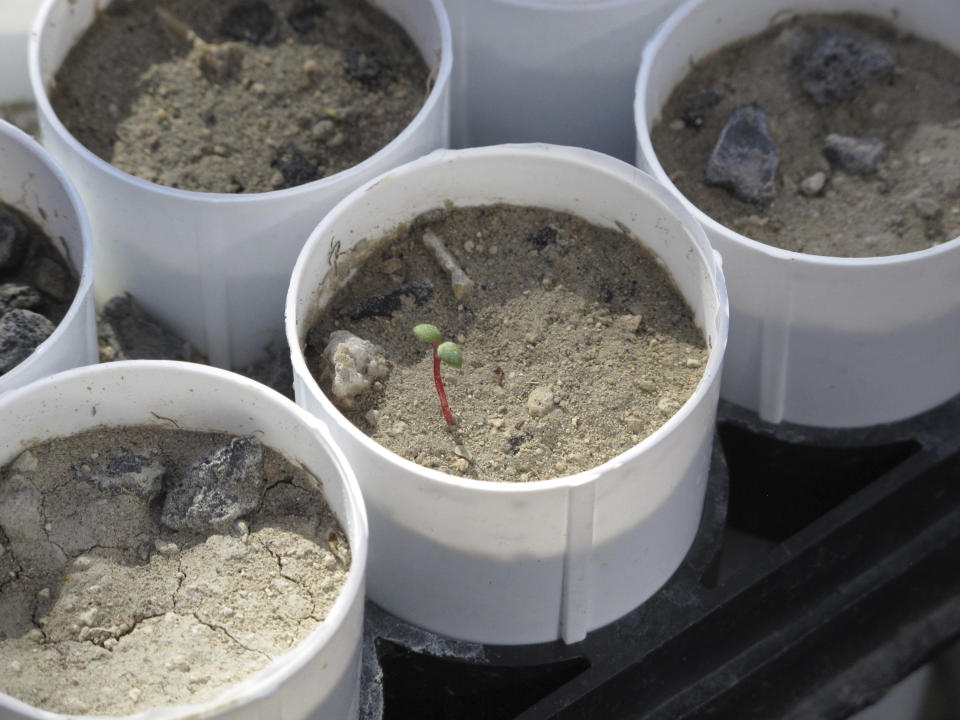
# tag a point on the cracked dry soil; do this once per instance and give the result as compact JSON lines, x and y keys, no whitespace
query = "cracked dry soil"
{"x":103,"y":610}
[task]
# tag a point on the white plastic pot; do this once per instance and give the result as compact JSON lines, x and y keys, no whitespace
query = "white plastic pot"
{"x":15,"y":18}
{"x":214,"y":267}
{"x":512,"y":563}
{"x":558,"y":71}
{"x":319,"y":678}
{"x":32,"y":182}
{"x":833,"y":342}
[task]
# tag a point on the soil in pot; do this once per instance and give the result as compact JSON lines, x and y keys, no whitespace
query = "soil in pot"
{"x":142,"y":567}
{"x":852,"y":130}
{"x":576,"y":344}
{"x":36,"y":287}
{"x":241,"y":96}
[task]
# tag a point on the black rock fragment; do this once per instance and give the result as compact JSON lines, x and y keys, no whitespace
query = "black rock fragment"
{"x":252,"y":21}
{"x":368,"y":69}
{"x":385,"y":305}
{"x":274,"y":369}
{"x":543,"y":237}
{"x":304,"y":14}
{"x":14,"y":240}
{"x":838,"y":64}
{"x":18,"y":296}
{"x":125,"y":472}
{"x":294,"y":165}
{"x":135,"y":336}
{"x":693,"y":114}
{"x":854,"y":155}
{"x":21,"y":331}
{"x":217,"y":489}
{"x":745,"y":158}
{"x":516,"y":441}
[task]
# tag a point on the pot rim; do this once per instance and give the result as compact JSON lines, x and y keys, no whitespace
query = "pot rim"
{"x":40,"y":93}
{"x":266,"y":681}
{"x":709,"y":257}
{"x":664,"y":35}
{"x":9,"y":133}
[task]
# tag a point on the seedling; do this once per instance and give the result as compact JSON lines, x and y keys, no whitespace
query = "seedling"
{"x":449,"y":353}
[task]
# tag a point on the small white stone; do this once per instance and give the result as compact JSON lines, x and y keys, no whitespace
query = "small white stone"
{"x":676,"y":125}
{"x":16,"y":666}
{"x":25,"y":462}
{"x":668,"y":405}
{"x":647,"y":385}
{"x":134,"y":694}
{"x":813,"y":184}
{"x":692,"y":362}
{"x":356,"y":362}
{"x":166,"y":548}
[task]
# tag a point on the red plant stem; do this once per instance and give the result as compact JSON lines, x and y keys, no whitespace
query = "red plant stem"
{"x":447,"y":415}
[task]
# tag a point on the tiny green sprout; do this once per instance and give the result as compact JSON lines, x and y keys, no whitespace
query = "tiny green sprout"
{"x":449,"y":353}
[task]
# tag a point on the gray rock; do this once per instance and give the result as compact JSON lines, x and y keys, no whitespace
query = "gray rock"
{"x":745,"y":158}
{"x":857,"y":156}
{"x":53,"y":278}
{"x":14,"y":240}
{"x":217,"y":489}
{"x":926,"y":207}
{"x":274,"y":369}
{"x":21,"y":331}
{"x":838,"y":64}
{"x":17,"y":296}
{"x":133,"y":335}
{"x":125,"y":472}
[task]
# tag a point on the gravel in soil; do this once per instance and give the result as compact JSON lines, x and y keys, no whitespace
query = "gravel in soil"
{"x":245,"y":96}
{"x":576,"y":344}
{"x":818,"y":76}
{"x":106,"y":609}
{"x":37,"y":287}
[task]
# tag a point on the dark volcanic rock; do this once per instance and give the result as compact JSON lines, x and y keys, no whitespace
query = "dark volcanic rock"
{"x":419,"y":291}
{"x":295,"y":166}
{"x":252,"y":21}
{"x":837,"y":65}
{"x":858,"y":156}
{"x":134,"y":336}
{"x":693,"y":115}
{"x":14,"y":241}
{"x":217,"y":489}
{"x":21,"y":331}
{"x":125,"y":472}
{"x":17,"y":296}
{"x":745,"y":158}
{"x":303,"y":16}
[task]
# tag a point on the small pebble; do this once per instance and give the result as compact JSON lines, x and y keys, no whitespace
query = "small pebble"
{"x":134,"y":694}
{"x":540,"y":401}
{"x":311,"y":68}
{"x":461,"y":465}
{"x":677,"y":125}
{"x":814,"y":184}
{"x":927,"y":208}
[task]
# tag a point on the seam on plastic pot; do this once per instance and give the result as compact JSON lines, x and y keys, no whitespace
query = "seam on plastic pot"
{"x":81,"y":300}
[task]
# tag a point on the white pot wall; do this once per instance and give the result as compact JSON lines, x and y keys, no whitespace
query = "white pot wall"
{"x":832,"y":342}
{"x":557,"y":71}
{"x":516,"y":563}
{"x":317,"y":679}
{"x":214,"y":267}
{"x":33,"y":183}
